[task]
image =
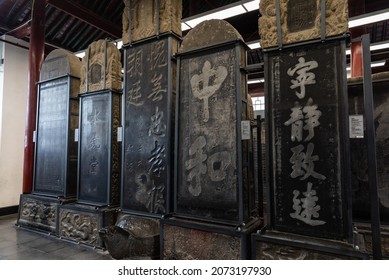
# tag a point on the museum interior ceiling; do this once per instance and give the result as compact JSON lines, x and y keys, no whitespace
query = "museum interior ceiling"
{"x":74,"y":24}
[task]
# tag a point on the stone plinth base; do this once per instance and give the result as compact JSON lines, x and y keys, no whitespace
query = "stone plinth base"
{"x":81,"y":223}
{"x":364,"y":240}
{"x":132,"y":237}
{"x":185,"y":240}
{"x":40,"y":212}
{"x":285,"y":246}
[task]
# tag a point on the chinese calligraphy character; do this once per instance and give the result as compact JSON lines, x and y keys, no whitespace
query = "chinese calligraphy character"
{"x":158,"y":55}
{"x":295,"y":120}
{"x":311,"y":120}
{"x":156,"y":159}
{"x":94,"y":165}
{"x":157,"y":91}
{"x":304,"y":77}
{"x":304,"y":161}
{"x":93,"y":142}
{"x":157,"y":128}
{"x":196,"y":165}
{"x":135,"y":63}
{"x":156,"y":200}
{"x":149,"y":195}
{"x":309,"y":205}
{"x":94,"y":117}
{"x":217,"y":165}
{"x":134,"y":95}
{"x":207,"y":83}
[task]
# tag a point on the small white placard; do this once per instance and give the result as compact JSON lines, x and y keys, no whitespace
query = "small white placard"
{"x":246,"y":132}
{"x":120,"y":134}
{"x":34,"y":136}
{"x":76,"y":135}
{"x":356,"y":126}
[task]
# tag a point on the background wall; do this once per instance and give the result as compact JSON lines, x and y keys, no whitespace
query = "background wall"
{"x":13,"y":98}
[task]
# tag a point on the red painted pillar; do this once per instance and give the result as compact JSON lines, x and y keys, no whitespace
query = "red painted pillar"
{"x":356,"y":7}
{"x":36,"y":57}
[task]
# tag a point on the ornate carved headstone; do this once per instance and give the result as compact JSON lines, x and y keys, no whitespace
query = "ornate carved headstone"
{"x":300,"y":20}
{"x":101,"y":68}
{"x":146,"y":18}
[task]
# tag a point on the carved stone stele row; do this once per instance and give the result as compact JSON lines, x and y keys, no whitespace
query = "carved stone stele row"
{"x":140,"y":19}
{"x":300,"y":20}
{"x":100,"y":55}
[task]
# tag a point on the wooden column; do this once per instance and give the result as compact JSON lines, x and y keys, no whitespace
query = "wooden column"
{"x":36,"y":57}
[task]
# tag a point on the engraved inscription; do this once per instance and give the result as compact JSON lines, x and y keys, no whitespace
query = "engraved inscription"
{"x":306,"y":208}
{"x":304,"y":77}
{"x":205,"y":84}
{"x":96,"y":73}
{"x":301,"y":15}
{"x":196,"y":165}
{"x":147,"y":120}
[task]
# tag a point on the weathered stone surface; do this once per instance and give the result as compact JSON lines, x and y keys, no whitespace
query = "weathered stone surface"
{"x":39,"y":213}
{"x":280,"y":246}
{"x":95,"y":61}
{"x":140,"y":19}
{"x":209,"y":33}
{"x":300,"y":22}
{"x":132,"y":237}
{"x":365,"y":238}
{"x":81,"y":223}
{"x":59,"y":63}
{"x":191,"y":244}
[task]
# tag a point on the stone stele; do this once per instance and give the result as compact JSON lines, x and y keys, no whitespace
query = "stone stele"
{"x":140,"y":17}
{"x":95,"y":61}
{"x":300,"y":20}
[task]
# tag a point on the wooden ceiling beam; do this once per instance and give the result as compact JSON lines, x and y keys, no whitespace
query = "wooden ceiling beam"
{"x":87,"y":16}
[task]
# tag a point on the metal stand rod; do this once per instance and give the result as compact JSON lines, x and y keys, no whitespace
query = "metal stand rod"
{"x":371,"y":148}
{"x":279,"y":27}
{"x":260,"y":166}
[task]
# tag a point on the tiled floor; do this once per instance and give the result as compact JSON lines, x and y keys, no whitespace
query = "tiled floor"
{"x":22,"y":244}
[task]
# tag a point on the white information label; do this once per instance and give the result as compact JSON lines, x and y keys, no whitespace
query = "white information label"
{"x":246,"y":133}
{"x":356,"y":126}
{"x":76,"y":135}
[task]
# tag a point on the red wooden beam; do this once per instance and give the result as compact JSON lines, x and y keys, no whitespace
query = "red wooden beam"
{"x":36,"y":57}
{"x":87,"y":16}
{"x":356,"y":7}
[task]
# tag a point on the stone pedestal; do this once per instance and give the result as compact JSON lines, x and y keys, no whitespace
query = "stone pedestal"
{"x":184,"y":239}
{"x":362,"y":231}
{"x":283,"y":246}
{"x":40,"y":212}
{"x":81,"y":223}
